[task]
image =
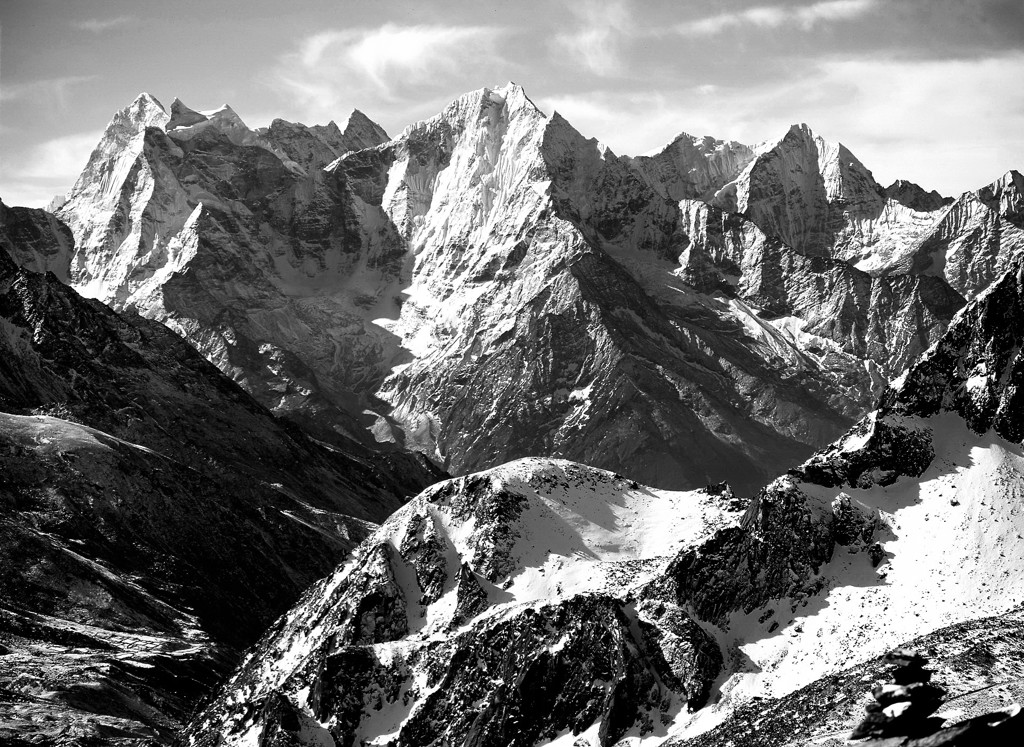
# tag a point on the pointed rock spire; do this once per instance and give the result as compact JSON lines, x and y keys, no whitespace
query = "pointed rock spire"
{"x":361,"y":132}
{"x":183,"y":116}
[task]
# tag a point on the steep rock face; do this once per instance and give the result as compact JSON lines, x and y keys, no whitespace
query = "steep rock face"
{"x":104,"y":207}
{"x":1006,"y":196}
{"x":36,"y":240}
{"x":155,"y":517}
{"x":975,"y":370}
{"x":914,"y":197}
{"x":830,"y":310}
{"x":490,"y":284}
{"x":694,"y":167}
{"x":415,"y":257}
{"x":316,"y":147}
{"x":819,"y":199}
{"x":241,"y":243}
{"x":978,"y":238}
{"x":493,"y":609}
{"x":625,"y":368}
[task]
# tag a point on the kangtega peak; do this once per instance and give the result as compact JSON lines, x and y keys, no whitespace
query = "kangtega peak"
{"x":490,"y":284}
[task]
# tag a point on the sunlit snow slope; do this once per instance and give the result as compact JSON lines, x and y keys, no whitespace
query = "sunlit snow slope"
{"x":529,"y":571}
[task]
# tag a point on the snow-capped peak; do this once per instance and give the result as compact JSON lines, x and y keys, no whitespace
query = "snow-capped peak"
{"x":692,"y":167}
{"x":915,"y":197}
{"x":145,"y":104}
{"x":514,"y":97}
{"x":822,"y":201}
{"x":144,"y":111}
{"x":98,"y":186}
{"x":225,"y":121}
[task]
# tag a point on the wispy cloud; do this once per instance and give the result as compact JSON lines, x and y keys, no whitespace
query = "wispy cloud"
{"x":384,"y":64}
{"x":54,"y":89}
{"x":62,"y":157}
{"x":99,"y":25}
{"x":597,"y":39}
{"x":804,"y":17}
{"x":31,"y":178}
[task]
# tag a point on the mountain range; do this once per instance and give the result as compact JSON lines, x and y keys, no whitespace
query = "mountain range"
{"x":490,"y":284}
{"x":723,"y":421}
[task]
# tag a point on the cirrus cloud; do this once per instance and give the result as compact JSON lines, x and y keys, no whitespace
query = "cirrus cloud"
{"x":804,"y":17}
{"x":53,"y":90}
{"x":390,"y":67}
{"x":596,"y":41}
{"x":99,"y":25}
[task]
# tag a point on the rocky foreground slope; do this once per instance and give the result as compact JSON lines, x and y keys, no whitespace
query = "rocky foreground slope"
{"x":153,"y":517}
{"x":490,"y":284}
{"x":979,"y":663}
{"x":499,"y":608}
{"x":535,"y":603}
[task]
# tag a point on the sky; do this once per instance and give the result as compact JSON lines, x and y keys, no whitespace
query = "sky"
{"x":926,"y":90}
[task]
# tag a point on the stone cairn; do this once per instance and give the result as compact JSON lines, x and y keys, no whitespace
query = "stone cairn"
{"x":902,"y":714}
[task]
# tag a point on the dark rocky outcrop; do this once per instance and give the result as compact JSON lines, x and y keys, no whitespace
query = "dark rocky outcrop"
{"x":915,"y":197}
{"x":976,"y":369}
{"x":905,"y":706}
{"x":36,"y":240}
{"x":901,"y":715}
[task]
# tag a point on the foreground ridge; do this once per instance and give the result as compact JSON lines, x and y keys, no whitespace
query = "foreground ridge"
{"x":978,"y":663}
{"x":872,"y":541}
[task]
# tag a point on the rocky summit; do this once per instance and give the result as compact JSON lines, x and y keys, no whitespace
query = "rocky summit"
{"x":483,"y":434}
